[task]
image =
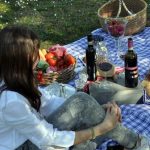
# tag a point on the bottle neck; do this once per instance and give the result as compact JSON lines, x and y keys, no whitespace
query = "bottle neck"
{"x":90,"y":39}
{"x":90,"y":43}
{"x":130,"y":45}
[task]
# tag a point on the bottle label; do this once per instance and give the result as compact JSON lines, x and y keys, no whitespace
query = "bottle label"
{"x":90,"y":43}
{"x":131,"y":68}
{"x":131,"y":76}
{"x":131,"y":72}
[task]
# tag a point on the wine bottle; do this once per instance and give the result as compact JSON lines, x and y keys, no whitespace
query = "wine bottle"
{"x":91,"y":59}
{"x":131,"y":68}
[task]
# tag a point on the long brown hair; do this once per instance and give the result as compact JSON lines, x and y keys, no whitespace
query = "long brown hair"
{"x":18,"y":53}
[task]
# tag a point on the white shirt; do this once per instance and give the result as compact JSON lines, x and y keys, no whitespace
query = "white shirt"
{"x":19,"y":122}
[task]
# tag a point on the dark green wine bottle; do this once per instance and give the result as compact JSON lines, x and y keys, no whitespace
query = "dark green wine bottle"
{"x":131,"y":66}
{"x":91,"y":59}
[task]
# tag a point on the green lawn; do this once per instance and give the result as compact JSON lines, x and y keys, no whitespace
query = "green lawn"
{"x":55,"y":21}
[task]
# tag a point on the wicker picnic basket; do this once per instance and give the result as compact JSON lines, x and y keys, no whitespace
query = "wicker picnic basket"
{"x":66,"y":75}
{"x":62,"y":76}
{"x":134,"y":11}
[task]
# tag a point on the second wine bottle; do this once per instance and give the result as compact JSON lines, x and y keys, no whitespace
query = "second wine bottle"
{"x":131,"y":66}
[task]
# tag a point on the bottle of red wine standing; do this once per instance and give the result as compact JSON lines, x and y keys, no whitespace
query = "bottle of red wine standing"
{"x":131,"y":66}
{"x":91,"y":59}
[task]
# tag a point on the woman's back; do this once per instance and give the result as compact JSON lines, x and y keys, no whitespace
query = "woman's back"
{"x":9,"y":137}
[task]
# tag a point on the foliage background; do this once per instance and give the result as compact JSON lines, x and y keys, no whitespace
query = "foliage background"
{"x":55,"y":21}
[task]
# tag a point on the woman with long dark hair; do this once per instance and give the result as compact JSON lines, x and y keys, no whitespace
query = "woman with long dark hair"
{"x":78,"y":119}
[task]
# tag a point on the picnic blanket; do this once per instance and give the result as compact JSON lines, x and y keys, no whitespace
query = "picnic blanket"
{"x":134,"y":116}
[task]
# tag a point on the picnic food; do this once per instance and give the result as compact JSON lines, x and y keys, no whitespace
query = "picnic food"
{"x":57,"y":58}
{"x":51,"y":58}
{"x":69,"y":59}
{"x":44,"y":51}
{"x":54,"y":61}
{"x":42,"y":57}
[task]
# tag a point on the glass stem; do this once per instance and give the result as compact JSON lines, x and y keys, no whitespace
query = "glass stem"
{"x":105,"y":77}
{"x":117,"y":44}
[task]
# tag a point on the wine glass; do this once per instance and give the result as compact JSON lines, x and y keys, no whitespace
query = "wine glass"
{"x":122,"y":50}
{"x":101,"y":52}
{"x":105,"y":68}
{"x":81,"y":81}
{"x":116,"y":28}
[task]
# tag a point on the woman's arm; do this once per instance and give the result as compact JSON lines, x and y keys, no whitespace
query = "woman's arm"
{"x":112,"y":117}
{"x":26,"y":121}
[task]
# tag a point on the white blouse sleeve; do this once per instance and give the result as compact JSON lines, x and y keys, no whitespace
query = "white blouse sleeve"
{"x":50,"y":104}
{"x":19,"y":115}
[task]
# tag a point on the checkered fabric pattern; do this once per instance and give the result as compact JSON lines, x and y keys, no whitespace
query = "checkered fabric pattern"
{"x":141,"y":46}
{"x":134,"y":117}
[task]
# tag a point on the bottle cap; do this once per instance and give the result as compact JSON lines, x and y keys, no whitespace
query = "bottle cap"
{"x":89,"y":37}
{"x":130,"y":43}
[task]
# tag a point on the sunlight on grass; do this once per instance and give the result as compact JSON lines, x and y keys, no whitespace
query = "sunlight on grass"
{"x":2,"y":26}
{"x":55,"y":21}
{"x":46,"y":44}
{"x":30,"y":19}
{"x":4,"y":8}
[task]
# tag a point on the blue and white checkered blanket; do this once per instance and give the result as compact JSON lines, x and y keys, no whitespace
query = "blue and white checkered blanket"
{"x":141,"y":46}
{"x":134,"y":117}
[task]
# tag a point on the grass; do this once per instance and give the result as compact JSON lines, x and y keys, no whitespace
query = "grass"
{"x":55,"y":21}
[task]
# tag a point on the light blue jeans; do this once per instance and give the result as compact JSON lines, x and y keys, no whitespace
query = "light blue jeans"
{"x":82,"y":111}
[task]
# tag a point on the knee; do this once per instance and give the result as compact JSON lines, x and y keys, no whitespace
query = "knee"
{"x":82,"y":102}
{"x":83,"y":97}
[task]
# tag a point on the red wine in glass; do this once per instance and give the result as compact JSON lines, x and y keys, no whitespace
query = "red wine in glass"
{"x":116,"y":28}
{"x":104,"y":67}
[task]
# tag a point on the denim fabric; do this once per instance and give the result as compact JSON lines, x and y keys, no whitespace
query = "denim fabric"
{"x":82,"y":111}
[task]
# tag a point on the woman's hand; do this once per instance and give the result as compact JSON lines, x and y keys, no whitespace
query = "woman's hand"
{"x":113,"y":115}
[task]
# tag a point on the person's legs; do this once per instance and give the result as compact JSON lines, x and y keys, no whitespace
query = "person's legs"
{"x":82,"y":111}
{"x":79,"y":112}
{"x":74,"y":114}
{"x":115,"y":92}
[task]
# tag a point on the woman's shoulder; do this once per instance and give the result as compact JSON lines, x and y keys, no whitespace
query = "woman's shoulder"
{"x":8,"y":96}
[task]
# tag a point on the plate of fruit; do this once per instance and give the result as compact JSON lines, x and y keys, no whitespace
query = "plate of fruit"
{"x":55,"y":64}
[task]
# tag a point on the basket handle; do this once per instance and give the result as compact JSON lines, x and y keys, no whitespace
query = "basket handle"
{"x":121,"y":2}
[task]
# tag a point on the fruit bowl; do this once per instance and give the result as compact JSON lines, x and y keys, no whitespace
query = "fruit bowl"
{"x":62,"y":76}
{"x":55,"y":64}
